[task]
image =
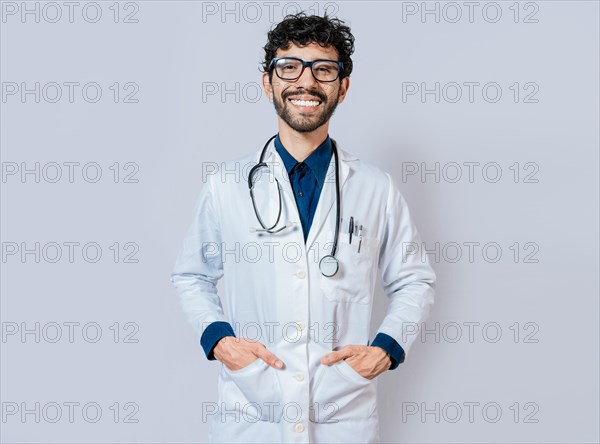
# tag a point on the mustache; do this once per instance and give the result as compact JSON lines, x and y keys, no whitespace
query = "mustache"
{"x":316,"y":94}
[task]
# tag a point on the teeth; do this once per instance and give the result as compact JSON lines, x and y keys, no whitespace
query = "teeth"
{"x":305,"y":102}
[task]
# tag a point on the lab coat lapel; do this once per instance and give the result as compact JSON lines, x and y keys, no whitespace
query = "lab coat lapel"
{"x":278,"y":171}
{"x":326,"y":204}
{"x":277,"y":167}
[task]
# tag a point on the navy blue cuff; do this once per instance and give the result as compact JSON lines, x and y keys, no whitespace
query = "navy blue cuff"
{"x":390,"y":345}
{"x":213,"y":334}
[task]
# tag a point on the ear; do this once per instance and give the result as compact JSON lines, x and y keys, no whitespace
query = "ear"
{"x":267,"y":85}
{"x":344,"y":86}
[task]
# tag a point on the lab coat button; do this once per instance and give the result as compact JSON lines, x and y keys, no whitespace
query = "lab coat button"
{"x":299,"y":428}
{"x":300,"y":376}
{"x":301,"y":274}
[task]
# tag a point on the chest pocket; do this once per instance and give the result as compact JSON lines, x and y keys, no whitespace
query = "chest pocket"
{"x":354,"y":279}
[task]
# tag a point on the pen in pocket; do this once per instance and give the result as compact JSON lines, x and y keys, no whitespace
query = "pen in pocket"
{"x":360,"y":228}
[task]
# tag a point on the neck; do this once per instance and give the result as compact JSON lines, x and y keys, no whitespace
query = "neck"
{"x":300,"y":145}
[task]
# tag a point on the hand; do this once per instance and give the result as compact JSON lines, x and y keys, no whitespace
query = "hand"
{"x":237,"y":353}
{"x":366,"y":360}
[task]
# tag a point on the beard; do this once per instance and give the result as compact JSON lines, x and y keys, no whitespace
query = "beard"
{"x":305,"y":123}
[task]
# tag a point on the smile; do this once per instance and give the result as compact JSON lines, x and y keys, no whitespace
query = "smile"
{"x":305,"y":104}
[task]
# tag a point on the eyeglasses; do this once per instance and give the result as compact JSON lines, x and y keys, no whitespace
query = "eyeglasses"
{"x":291,"y":68}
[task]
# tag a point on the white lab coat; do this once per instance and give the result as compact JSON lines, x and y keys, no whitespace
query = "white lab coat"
{"x":276,"y":295}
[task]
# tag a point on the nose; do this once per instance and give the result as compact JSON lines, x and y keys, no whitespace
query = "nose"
{"x":306,"y":79}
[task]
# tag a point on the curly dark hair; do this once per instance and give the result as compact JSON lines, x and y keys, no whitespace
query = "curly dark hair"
{"x":301,"y":30}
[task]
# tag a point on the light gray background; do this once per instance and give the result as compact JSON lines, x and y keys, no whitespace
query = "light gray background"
{"x":170,"y":53}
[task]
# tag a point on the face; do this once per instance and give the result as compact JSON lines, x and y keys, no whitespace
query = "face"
{"x":290,"y":97}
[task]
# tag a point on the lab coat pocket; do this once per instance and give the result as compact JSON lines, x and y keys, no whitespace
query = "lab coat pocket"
{"x":340,"y":393}
{"x":348,"y":371}
{"x":254,"y":391}
{"x":353,"y":281}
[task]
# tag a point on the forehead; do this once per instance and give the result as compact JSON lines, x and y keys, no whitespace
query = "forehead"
{"x":312,"y":51}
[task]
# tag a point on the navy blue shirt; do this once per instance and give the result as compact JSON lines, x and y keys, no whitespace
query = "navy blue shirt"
{"x":307,"y":179}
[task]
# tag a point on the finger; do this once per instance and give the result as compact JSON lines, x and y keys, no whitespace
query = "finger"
{"x":269,"y":358}
{"x":336,"y":356}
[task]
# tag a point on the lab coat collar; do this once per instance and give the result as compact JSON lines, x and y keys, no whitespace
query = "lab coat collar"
{"x":326,"y":203}
{"x":317,"y":161}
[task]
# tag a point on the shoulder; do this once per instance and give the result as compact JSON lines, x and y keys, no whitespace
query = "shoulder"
{"x":231,"y":171}
{"x":365,"y":171}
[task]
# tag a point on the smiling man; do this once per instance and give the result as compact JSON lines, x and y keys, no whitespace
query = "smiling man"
{"x":301,"y":254}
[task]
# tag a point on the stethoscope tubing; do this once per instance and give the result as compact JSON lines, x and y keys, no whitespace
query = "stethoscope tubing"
{"x":337,"y":191}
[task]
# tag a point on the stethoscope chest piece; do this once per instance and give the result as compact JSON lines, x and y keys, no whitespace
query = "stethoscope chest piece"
{"x":328,"y":265}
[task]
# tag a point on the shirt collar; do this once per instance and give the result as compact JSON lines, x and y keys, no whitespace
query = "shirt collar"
{"x":318,"y":160}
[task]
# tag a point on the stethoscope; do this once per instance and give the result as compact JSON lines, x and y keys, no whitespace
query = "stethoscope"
{"x":328,"y":264}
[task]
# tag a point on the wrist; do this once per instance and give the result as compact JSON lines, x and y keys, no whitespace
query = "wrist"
{"x":389,"y":361}
{"x":385,"y":356}
{"x":212,"y":334}
{"x":392,"y":347}
{"x":220,"y":344}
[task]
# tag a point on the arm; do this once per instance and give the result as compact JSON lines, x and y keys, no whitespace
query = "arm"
{"x":407,"y":279}
{"x":197,"y":270}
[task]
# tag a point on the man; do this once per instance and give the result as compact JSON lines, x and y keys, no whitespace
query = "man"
{"x":297,"y":365}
